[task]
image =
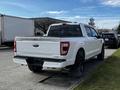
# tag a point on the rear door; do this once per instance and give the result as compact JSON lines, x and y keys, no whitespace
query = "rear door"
{"x":89,"y":42}
{"x":98,"y":42}
{"x":92,"y":42}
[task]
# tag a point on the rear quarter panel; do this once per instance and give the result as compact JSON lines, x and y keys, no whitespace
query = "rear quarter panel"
{"x":75,"y":44}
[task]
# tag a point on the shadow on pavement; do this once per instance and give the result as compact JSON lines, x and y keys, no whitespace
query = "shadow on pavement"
{"x":63,"y":79}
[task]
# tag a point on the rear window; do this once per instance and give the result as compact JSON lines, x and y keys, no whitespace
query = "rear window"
{"x":65,"y":31}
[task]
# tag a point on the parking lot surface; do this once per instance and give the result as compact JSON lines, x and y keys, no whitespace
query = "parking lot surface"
{"x":16,"y":77}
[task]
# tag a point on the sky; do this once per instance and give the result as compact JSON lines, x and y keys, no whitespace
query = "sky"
{"x":105,"y":12}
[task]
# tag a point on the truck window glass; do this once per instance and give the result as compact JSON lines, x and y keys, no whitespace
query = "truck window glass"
{"x":65,"y":31}
{"x":89,"y":33}
{"x":94,"y":33}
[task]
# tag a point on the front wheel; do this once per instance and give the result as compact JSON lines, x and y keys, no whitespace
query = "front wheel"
{"x":101,"y":55}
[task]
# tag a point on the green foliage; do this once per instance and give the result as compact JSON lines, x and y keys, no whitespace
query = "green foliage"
{"x":106,"y":77}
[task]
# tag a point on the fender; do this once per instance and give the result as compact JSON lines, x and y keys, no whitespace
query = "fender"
{"x":81,"y":45}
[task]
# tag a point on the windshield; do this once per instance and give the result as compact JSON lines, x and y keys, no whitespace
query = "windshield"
{"x":65,"y":31}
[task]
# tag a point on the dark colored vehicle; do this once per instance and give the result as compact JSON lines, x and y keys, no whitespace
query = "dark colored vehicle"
{"x":111,"y":39}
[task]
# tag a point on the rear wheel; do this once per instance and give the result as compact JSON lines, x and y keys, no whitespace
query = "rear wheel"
{"x":34,"y":66}
{"x":101,"y":55}
{"x":78,"y":67}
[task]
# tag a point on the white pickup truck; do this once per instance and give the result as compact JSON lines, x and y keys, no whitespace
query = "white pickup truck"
{"x":65,"y":45}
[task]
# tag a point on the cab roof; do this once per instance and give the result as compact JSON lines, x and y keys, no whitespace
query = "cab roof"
{"x":57,"y":24}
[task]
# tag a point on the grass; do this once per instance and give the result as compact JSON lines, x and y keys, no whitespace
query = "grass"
{"x":106,"y":77}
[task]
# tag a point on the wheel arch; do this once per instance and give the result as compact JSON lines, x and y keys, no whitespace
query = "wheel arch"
{"x":103,"y":45}
{"x":80,"y":49}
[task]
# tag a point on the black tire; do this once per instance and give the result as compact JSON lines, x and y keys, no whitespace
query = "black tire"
{"x":78,"y":67}
{"x":34,"y":65}
{"x":116,"y":45}
{"x":101,"y":55}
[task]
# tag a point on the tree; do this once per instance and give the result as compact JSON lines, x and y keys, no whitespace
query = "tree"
{"x":118,"y":28}
{"x":92,"y":22}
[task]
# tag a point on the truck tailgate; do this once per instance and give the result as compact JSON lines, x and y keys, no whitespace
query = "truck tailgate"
{"x":38,"y":48}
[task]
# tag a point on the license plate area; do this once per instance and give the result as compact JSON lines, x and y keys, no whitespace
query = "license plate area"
{"x":106,"y":39}
{"x":35,"y":61}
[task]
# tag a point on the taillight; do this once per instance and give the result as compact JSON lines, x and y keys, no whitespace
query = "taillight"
{"x":14,"y":46}
{"x":64,"y":48}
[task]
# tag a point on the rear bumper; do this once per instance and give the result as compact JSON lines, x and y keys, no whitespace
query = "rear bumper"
{"x":48,"y":62}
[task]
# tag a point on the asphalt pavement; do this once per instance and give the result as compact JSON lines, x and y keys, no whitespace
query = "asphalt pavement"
{"x":17,"y":77}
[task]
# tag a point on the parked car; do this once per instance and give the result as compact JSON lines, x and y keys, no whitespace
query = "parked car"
{"x":111,"y":39}
{"x":119,"y":38}
{"x":65,"y":45}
